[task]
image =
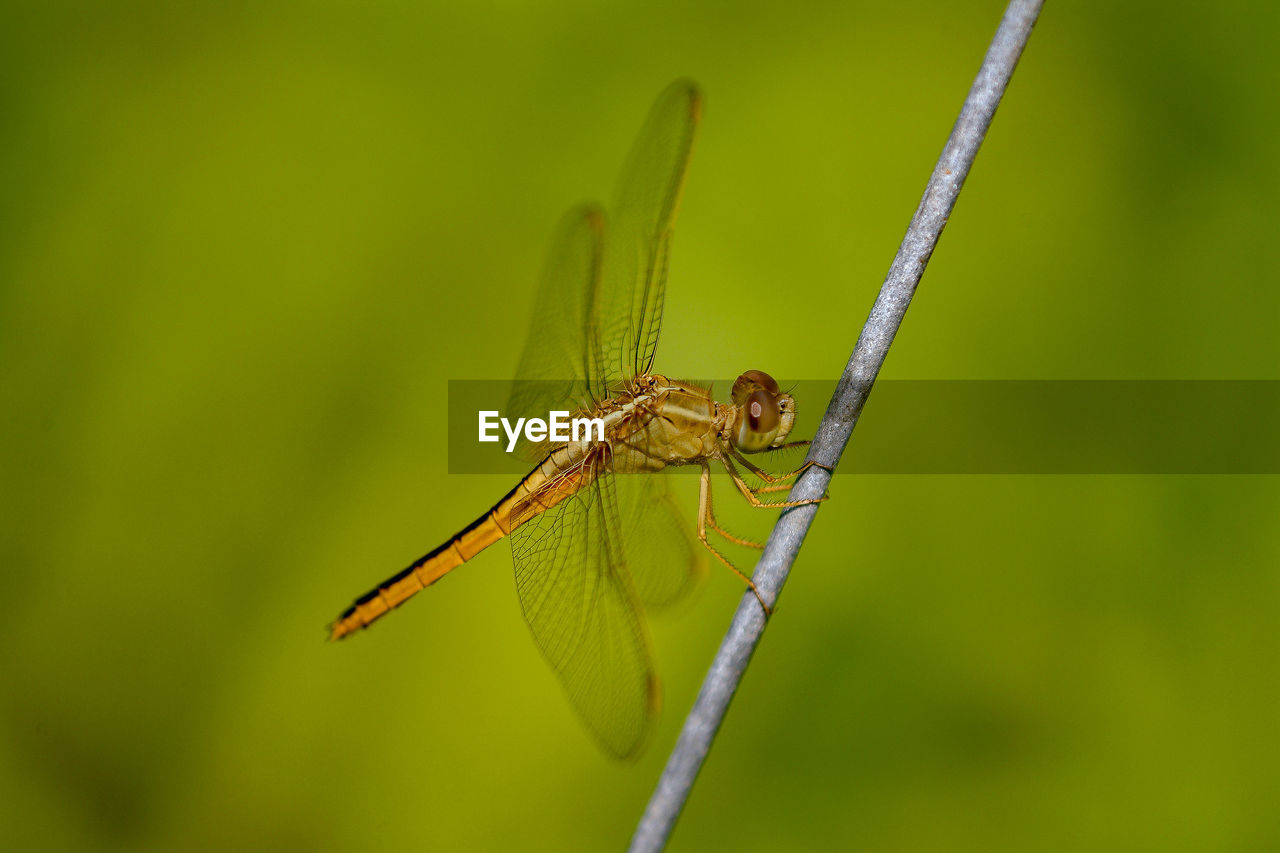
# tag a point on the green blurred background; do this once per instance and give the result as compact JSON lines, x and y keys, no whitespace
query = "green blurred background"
{"x":244,"y":246}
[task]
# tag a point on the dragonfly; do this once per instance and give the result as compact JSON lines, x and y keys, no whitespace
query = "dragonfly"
{"x":595,"y":535}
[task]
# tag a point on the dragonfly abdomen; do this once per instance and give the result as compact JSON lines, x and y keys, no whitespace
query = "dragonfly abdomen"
{"x":419,"y":575}
{"x":558,"y":477}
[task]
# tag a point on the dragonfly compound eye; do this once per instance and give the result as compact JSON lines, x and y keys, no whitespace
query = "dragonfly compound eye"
{"x":749,"y":382}
{"x":758,"y":421}
{"x":762,"y":379}
{"x":762,"y":412}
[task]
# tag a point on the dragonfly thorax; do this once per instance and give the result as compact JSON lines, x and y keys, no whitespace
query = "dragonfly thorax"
{"x":656,"y":421}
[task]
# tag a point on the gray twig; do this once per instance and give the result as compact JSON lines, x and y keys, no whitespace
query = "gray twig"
{"x":837,"y":424}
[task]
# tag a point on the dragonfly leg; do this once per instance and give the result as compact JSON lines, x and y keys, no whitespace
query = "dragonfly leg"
{"x":713,"y":525}
{"x":752,"y":495}
{"x":705,"y":520}
{"x":773,"y":479}
{"x":776,"y":482}
{"x":790,"y":444}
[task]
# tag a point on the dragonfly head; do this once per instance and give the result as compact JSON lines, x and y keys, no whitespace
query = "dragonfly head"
{"x":764,"y":414}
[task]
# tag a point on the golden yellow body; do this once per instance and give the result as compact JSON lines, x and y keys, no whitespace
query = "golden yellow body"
{"x":658,"y":422}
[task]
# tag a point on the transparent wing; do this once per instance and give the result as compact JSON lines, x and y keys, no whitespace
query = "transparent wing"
{"x":596,"y":324}
{"x":558,"y":370}
{"x":636,"y":246}
{"x":665,"y":559}
{"x":598,"y":310}
{"x":580,"y":603}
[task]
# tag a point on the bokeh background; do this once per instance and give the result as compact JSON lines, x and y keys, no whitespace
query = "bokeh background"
{"x":243,"y":247}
